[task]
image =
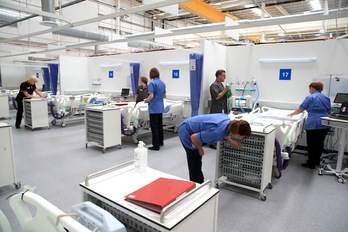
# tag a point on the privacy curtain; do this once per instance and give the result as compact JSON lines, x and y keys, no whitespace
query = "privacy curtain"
{"x":196,"y":69}
{"x":134,"y":71}
{"x":46,"y":78}
{"x":54,"y":77}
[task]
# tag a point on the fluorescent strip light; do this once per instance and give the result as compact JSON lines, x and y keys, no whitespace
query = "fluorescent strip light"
{"x":173,"y":63}
{"x":109,"y":65}
{"x":290,"y":60}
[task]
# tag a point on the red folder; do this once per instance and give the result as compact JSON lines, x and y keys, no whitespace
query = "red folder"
{"x":160,"y":193}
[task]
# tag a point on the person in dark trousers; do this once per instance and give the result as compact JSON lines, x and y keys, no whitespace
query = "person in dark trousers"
{"x":208,"y":128}
{"x":142,"y":91}
{"x":317,"y":105}
{"x":218,"y":96}
{"x":26,"y":90}
{"x":218,"y":93}
{"x":157,"y":92}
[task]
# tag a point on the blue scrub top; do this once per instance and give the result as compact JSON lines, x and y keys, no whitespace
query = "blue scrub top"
{"x":158,"y":89}
{"x":317,"y":105}
{"x":210,"y":129}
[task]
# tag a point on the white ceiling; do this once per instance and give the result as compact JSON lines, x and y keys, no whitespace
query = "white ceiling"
{"x":101,"y":27}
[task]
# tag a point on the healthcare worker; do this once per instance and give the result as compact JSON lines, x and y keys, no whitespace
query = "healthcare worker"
{"x":209,"y":129}
{"x":317,"y":105}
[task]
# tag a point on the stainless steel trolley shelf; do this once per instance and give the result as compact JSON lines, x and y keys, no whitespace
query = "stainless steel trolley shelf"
{"x":249,"y":166}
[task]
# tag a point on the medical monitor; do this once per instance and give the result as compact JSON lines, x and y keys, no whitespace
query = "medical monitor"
{"x":341,"y":98}
{"x":125,"y":92}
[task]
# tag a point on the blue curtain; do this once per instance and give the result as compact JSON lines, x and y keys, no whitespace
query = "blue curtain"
{"x":196,"y":69}
{"x":134,"y":69}
{"x":46,"y":78}
{"x":54,"y":77}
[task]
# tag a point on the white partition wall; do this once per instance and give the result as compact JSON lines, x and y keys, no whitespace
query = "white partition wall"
{"x":329,"y":57}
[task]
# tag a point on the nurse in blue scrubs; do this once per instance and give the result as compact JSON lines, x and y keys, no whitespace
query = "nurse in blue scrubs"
{"x":208,"y":129}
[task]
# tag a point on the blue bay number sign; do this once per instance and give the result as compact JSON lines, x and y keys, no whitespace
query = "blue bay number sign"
{"x":285,"y":74}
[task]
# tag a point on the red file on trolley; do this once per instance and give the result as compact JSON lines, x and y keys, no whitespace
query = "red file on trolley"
{"x":160,"y":193}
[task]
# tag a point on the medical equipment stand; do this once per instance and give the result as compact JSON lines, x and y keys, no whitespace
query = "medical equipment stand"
{"x":103,"y":126}
{"x":7,"y":164}
{"x":35,"y":113}
{"x":194,"y":211}
{"x":250,"y":166}
{"x":342,"y":125}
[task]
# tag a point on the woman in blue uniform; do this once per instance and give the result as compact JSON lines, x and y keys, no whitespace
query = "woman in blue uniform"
{"x":209,"y":129}
{"x":317,"y":105}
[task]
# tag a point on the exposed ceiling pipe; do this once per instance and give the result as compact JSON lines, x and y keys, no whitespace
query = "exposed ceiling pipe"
{"x":17,"y":20}
{"x":6,"y":17}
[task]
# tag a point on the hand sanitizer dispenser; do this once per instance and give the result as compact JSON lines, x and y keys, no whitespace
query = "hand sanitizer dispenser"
{"x":140,"y":157}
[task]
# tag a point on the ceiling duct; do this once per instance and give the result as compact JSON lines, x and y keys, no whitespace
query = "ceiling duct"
{"x":48,"y":6}
{"x":7,"y":17}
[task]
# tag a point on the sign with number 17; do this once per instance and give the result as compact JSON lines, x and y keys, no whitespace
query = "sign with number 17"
{"x":285,"y":74}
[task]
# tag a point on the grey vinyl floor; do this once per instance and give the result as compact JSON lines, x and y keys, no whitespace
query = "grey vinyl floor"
{"x":56,"y":160}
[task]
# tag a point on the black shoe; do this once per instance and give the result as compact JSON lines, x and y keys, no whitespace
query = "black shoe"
{"x":18,"y":127}
{"x":308,"y":165}
{"x":154,"y":148}
{"x":161,"y":145}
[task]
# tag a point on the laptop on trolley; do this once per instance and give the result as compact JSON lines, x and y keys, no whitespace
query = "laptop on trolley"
{"x":341,"y":98}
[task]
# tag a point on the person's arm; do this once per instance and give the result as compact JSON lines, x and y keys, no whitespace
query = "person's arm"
{"x":39,"y":93}
{"x":135,"y":97}
{"x":297,"y":111}
{"x":233,"y":143}
{"x":149,"y":98}
{"x":195,"y":142}
{"x":27,"y":95}
{"x":221,"y":94}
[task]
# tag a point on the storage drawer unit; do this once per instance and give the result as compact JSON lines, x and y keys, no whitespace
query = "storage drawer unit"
{"x":103,"y":126}
{"x":249,"y":166}
{"x":7,"y":164}
{"x":35,"y":113}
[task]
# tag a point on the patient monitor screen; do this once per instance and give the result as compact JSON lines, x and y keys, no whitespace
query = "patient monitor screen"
{"x":240,"y":103}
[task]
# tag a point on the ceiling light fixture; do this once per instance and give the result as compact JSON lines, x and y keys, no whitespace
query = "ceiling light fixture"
{"x":289,"y":60}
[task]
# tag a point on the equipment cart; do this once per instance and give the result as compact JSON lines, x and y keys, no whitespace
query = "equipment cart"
{"x":194,"y":211}
{"x":35,"y":113}
{"x":249,"y":166}
{"x":103,"y":126}
{"x":7,"y":165}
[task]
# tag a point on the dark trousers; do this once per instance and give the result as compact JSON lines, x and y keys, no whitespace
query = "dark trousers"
{"x":315,"y":145}
{"x":19,"y":112}
{"x":156,"y":125}
{"x":194,"y":161}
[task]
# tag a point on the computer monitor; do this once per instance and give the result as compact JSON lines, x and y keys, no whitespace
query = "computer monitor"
{"x":341,"y":98}
{"x":125,"y":92}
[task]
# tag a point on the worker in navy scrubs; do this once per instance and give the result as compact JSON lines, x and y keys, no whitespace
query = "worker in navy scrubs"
{"x":317,"y":105}
{"x":209,"y":129}
{"x":27,"y":89}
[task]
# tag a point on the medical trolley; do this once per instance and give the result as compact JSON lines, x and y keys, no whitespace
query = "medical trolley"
{"x":7,"y":164}
{"x":103,"y":126}
{"x":35,"y":113}
{"x":249,"y":166}
{"x":194,"y":211}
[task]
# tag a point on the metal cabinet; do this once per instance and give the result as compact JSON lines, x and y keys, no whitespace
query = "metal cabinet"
{"x":35,"y":113}
{"x":249,"y":166}
{"x":103,"y":126}
{"x":7,"y":165}
{"x":4,"y":106}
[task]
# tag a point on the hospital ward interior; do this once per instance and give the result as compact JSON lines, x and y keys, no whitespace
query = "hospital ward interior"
{"x":79,"y":135}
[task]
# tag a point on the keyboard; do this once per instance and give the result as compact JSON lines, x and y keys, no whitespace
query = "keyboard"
{"x":337,"y":116}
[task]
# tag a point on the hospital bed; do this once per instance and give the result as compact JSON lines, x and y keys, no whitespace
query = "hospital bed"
{"x":288,"y":131}
{"x":35,"y":213}
{"x":135,"y":117}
